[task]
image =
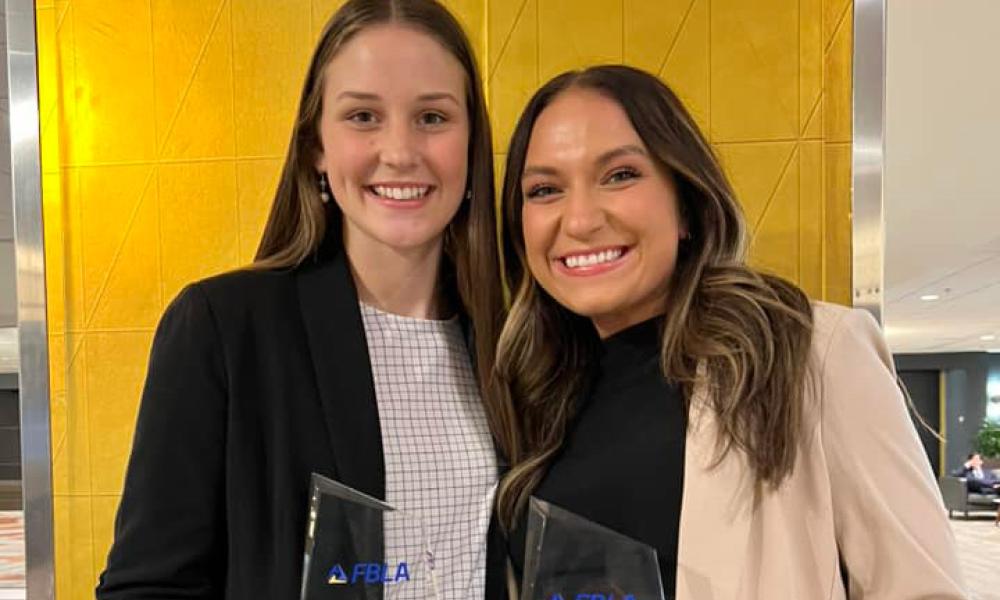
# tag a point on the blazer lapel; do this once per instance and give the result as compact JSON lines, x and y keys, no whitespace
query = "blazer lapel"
{"x":336,"y":336}
{"x":716,"y":512}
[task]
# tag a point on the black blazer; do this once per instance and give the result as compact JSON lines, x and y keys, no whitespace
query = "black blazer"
{"x":256,"y":379}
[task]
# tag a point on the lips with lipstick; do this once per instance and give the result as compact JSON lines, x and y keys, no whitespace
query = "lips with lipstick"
{"x":593,"y":261}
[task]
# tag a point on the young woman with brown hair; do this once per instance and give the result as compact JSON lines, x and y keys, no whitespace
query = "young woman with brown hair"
{"x":665,"y":389}
{"x":358,"y":346}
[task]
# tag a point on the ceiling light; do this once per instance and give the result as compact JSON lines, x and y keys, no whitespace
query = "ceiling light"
{"x":930,"y":297}
{"x":987,"y":338}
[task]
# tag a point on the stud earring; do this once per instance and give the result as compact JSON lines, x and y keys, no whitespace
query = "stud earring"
{"x":468,"y":194}
{"x":324,"y":189}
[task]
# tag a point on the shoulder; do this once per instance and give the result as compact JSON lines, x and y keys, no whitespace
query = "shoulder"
{"x":239,"y":297}
{"x":849,"y":359}
{"x":244,"y":286}
{"x":840,"y":329}
{"x":854,"y":371}
{"x":257,"y":289}
{"x":228,"y":301}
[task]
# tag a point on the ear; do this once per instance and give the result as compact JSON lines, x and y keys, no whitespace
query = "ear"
{"x":683,"y":223}
{"x":683,"y":231}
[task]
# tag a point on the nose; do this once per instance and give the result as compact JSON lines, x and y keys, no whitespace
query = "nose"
{"x":583,"y":214}
{"x":399,"y":147}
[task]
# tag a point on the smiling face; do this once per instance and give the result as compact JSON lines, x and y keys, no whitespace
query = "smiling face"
{"x":600,"y":220}
{"x":395,"y":136}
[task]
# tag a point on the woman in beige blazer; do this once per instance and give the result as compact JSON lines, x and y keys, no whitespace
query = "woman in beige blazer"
{"x":661,"y":387}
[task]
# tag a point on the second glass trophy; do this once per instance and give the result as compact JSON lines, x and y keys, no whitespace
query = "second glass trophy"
{"x":569,"y":557}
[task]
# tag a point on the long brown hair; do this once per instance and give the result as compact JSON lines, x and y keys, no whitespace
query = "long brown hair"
{"x":299,"y":221}
{"x":749,"y":332}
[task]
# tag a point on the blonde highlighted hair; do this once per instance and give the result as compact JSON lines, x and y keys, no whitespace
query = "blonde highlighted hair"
{"x":743,"y":334}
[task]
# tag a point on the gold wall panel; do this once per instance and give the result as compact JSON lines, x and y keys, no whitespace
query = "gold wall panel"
{"x":164,"y":125}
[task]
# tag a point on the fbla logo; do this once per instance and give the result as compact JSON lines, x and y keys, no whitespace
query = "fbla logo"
{"x":369,"y":573}
{"x":592,"y":597}
{"x":336,"y":576}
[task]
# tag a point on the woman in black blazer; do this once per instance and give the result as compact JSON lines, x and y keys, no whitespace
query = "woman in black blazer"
{"x":261,"y":377}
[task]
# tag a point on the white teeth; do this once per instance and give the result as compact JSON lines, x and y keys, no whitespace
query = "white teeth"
{"x":400,"y":193}
{"x":589,"y":260}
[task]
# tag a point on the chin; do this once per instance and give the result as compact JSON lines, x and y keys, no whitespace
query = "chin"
{"x":411,"y":239}
{"x":590,"y":309}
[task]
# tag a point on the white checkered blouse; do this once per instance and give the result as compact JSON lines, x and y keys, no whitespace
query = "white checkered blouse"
{"x":440,"y":466}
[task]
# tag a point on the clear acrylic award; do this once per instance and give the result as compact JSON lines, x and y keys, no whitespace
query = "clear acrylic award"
{"x":568,"y":557}
{"x":345,"y":549}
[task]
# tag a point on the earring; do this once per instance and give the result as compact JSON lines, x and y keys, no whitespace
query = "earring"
{"x":468,"y":194}
{"x":324,"y":189}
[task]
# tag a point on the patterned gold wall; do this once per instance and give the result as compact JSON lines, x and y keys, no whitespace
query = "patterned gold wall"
{"x":164,"y":124}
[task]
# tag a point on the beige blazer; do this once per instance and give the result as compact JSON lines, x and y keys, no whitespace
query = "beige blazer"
{"x":861,"y":489}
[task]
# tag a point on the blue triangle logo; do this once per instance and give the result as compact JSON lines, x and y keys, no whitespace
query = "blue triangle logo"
{"x":336,"y":576}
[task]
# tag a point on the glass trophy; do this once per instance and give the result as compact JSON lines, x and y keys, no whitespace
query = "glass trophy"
{"x":567,"y":557}
{"x":345,"y":549}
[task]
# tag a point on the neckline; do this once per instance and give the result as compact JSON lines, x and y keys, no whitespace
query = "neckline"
{"x":631,"y":347}
{"x":404,"y":319}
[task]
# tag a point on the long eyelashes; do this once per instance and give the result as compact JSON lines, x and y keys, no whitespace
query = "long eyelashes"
{"x":368,"y":118}
{"x":540,"y":191}
{"x":433,"y":118}
{"x":362,"y":117}
{"x":622,"y":175}
{"x":617,"y":176}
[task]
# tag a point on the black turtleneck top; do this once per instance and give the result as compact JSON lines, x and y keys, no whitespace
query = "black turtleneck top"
{"x":622,"y":463}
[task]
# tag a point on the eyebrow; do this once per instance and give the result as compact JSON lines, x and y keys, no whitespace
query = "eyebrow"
{"x":357,"y":95}
{"x":438,"y":96}
{"x":538,"y":170}
{"x":603,"y":159}
{"x":625,"y":150}
{"x":431,"y":97}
